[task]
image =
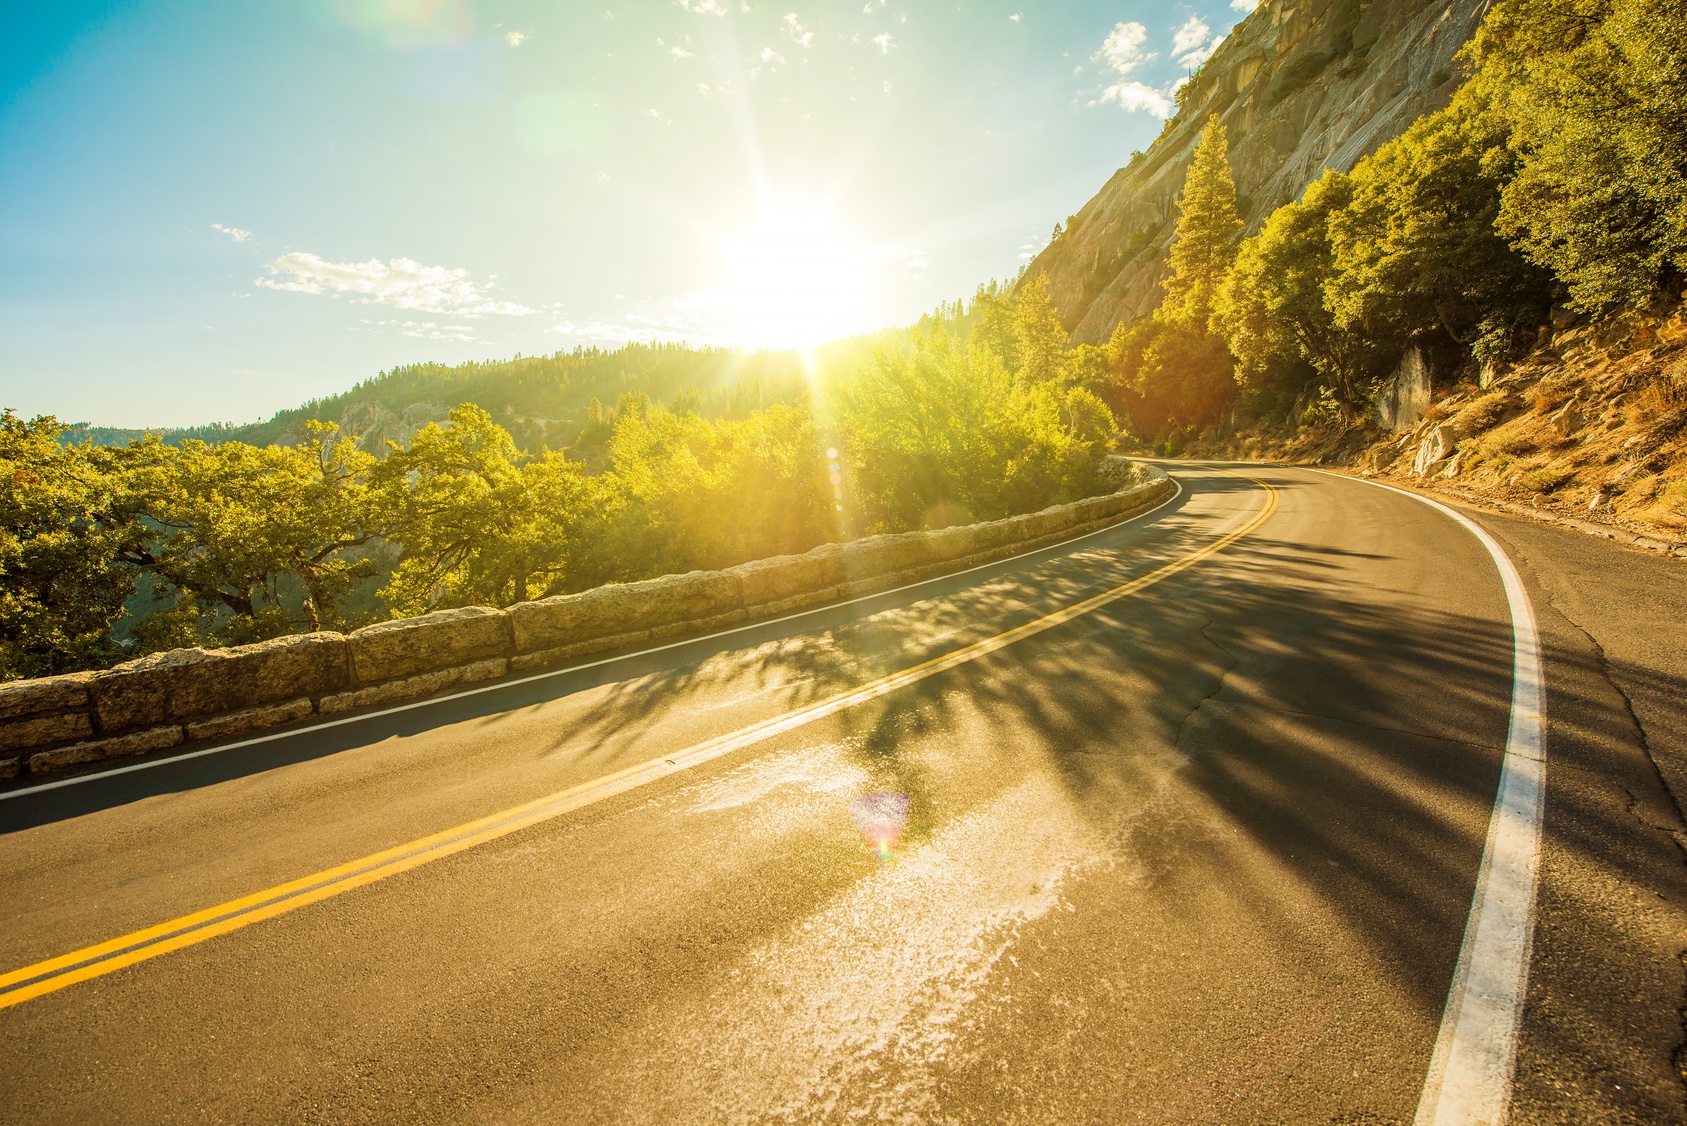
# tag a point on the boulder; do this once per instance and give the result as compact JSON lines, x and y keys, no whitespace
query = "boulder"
{"x":190,"y":683}
{"x":1405,"y":394}
{"x":606,"y":611}
{"x":1437,"y":445}
{"x":1567,"y":419}
{"x":441,"y":640}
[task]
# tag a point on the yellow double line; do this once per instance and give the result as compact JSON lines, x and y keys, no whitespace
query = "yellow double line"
{"x":54,"y":974}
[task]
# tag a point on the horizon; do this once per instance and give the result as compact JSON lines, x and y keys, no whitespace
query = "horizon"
{"x":216,"y":215}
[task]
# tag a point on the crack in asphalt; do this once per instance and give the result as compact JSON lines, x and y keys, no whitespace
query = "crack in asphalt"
{"x":1218,"y":685}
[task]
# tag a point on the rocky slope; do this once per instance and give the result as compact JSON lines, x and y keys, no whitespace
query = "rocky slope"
{"x":1301,"y":85}
{"x":1590,"y":428}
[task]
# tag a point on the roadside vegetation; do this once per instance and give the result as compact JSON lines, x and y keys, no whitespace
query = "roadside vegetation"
{"x":111,"y":551}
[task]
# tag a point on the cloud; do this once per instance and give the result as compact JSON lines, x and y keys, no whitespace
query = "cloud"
{"x":1191,"y":35}
{"x":235,"y":233}
{"x":1122,"y":49}
{"x":1017,"y":16}
{"x":1190,"y":43}
{"x":515,"y":38}
{"x":884,"y":42}
{"x":426,"y":330}
{"x":798,"y":35}
{"x":1134,"y":97}
{"x":1244,"y":5}
{"x":401,"y":283}
{"x":679,"y":53}
{"x":712,"y":7}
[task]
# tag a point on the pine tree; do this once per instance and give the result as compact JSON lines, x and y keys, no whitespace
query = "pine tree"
{"x":1206,"y":237}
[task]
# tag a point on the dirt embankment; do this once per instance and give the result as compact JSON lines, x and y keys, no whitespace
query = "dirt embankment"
{"x":1592,"y":426}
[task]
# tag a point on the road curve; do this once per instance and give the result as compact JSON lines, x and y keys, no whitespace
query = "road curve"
{"x":1197,"y":842}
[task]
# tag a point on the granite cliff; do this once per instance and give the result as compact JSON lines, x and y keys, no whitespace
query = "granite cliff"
{"x":1300,"y":85}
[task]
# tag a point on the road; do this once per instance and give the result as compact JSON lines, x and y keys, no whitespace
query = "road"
{"x":1202,"y":853}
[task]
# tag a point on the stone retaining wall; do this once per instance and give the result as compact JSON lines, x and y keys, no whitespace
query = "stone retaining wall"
{"x":162,"y":700}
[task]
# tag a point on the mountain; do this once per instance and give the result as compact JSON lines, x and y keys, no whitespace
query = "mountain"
{"x":560,"y":401}
{"x":1301,"y":86}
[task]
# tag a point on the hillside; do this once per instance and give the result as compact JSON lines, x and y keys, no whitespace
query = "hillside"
{"x":1300,"y":85}
{"x":543,"y":401}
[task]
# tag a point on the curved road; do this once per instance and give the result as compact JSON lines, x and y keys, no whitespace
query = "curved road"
{"x":1202,"y":852}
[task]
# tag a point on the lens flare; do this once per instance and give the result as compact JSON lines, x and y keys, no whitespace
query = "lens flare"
{"x":881,"y":819}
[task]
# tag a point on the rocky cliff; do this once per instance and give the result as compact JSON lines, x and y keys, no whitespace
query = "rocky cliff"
{"x":1300,"y":85}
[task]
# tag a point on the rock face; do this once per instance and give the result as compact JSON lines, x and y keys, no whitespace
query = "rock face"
{"x":1405,"y":395}
{"x":1301,"y":86}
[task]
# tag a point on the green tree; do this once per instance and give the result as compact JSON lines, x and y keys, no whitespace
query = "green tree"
{"x":1595,"y":93}
{"x":1416,"y":251}
{"x":1174,"y":371}
{"x":478,"y":524}
{"x":1204,"y":243}
{"x":66,"y":524}
{"x":256,"y":541}
{"x":1272,"y":308}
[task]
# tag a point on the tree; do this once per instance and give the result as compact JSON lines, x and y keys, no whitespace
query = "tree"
{"x":477,"y":524}
{"x":1174,"y":371}
{"x":1204,"y":243}
{"x":1595,"y":93}
{"x":1416,"y":252}
{"x":66,"y":524}
{"x":255,"y":540}
{"x":1272,"y":309}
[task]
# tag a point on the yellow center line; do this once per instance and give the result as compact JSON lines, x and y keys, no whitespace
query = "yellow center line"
{"x":54,"y":974}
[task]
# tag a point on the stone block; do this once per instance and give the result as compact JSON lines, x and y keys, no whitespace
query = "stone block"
{"x":609,"y":611}
{"x":10,"y":768}
{"x":781,"y":577}
{"x":797,"y":602}
{"x":414,"y":687}
{"x":23,"y":734}
{"x":47,"y":694}
{"x":193,"y":683}
{"x":96,"y":750}
{"x":445,"y":639}
{"x":883,"y":555}
{"x":947,"y":544}
{"x":250,"y":719}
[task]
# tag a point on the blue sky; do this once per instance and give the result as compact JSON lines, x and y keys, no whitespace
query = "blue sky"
{"x":210,"y":211}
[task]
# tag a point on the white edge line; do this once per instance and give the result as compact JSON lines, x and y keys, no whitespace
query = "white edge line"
{"x":1475,"y":1057}
{"x":548,"y":674}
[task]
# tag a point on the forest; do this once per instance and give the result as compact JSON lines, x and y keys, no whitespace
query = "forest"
{"x":112,"y":551}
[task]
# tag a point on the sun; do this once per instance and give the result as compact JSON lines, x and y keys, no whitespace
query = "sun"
{"x":795,"y":278}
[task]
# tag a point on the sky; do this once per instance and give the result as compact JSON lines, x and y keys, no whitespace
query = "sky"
{"x":213,"y":211}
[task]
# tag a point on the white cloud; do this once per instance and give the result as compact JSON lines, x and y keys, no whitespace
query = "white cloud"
{"x":234,"y":233}
{"x":401,"y":283}
{"x":1194,"y":59}
{"x":426,"y":330}
{"x":1122,"y":49}
{"x":679,"y":52}
{"x":1191,"y":35}
{"x":1017,"y":16}
{"x":712,"y":7}
{"x":884,"y":42}
{"x":515,"y":38}
{"x":798,"y":35}
{"x":1137,"y":96}
{"x":1244,"y":5}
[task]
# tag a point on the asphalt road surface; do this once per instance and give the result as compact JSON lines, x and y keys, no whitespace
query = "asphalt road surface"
{"x":1203,"y":853}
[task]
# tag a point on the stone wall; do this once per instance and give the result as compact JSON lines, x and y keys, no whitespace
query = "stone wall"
{"x":163,"y":700}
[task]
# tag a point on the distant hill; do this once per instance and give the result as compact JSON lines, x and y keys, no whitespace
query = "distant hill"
{"x":545,"y":402}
